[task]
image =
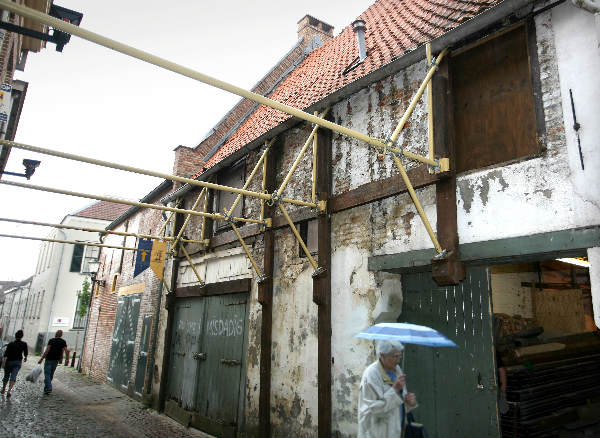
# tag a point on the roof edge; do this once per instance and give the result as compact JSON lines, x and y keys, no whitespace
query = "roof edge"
{"x":476,"y":24}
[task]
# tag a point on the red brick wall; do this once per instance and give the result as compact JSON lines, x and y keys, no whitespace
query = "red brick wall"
{"x":96,"y":353}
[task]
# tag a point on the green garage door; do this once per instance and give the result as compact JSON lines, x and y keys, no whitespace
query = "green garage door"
{"x":205,"y":370}
{"x":455,"y":387}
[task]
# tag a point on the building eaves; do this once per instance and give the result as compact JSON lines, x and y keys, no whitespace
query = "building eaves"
{"x":450,"y":38}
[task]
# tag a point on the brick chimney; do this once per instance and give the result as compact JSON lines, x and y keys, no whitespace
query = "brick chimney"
{"x":314,"y":31}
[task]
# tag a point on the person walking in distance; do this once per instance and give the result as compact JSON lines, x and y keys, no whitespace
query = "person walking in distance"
{"x":11,"y":361}
{"x":53,"y":356}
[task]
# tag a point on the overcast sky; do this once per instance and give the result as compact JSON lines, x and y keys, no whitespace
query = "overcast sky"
{"x":91,"y":101}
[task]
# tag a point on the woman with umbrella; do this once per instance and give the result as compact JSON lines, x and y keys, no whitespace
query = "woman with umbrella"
{"x":384,"y":401}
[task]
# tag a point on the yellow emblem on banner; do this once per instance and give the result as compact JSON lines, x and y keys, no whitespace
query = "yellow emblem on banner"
{"x":157,"y":258}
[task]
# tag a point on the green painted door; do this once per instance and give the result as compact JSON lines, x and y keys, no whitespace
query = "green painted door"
{"x":455,"y":387}
{"x":219,"y":378}
{"x":185,"y":349}
{"x":123,"y":341}
{"x":205,"y":371}
{"x":142,"y":362}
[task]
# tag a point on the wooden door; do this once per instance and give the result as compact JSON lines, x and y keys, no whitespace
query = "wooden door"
{"x":220,"y":374}
{"x":456,"y":387}
{"x":185,"y":351}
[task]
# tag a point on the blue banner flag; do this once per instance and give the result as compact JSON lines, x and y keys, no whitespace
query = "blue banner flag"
{"x":142,"y":260}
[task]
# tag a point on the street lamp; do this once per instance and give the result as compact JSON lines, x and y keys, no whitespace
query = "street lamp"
{"x":94,"y":266}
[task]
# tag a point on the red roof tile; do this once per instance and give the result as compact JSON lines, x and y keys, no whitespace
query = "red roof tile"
{"x":103,"y":210}
{"x":394,"y":27}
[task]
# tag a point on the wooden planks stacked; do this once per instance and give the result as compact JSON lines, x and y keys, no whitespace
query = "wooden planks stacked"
{"x":544,"y":397}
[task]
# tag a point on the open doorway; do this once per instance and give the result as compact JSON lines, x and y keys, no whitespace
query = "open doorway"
{"x":549,"y":345}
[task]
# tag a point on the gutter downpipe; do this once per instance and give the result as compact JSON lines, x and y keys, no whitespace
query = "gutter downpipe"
{"x":62,"y":250}
{"x":154,"y":339}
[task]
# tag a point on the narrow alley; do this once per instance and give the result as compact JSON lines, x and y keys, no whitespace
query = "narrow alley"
{"x":79,"y":407}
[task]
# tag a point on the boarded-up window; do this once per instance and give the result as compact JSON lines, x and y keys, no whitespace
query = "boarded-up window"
{"x":494,"y":113}
{"x":232,"y":177}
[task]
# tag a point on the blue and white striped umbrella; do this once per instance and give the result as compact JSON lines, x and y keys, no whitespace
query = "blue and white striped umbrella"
{"x":406,"y":333}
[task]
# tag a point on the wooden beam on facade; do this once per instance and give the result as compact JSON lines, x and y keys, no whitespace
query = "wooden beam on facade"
{"x":219,"y":288}
{"x":381,"y":189}
{"x":322,"y":286}
{"x":265,"y":298}
{"x":447,"y":270}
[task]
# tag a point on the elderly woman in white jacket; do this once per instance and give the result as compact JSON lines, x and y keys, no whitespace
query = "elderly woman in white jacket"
{"x":383,"y":401}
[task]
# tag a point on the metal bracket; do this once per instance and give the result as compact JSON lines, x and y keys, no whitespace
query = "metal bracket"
{"x":441,"y":255}
{"x":275,"y":199}
{"x":433,"y":61}
{"x":261,"y":279}
{"x":318,"y":272}
{"x":268,"y":222}
{"x":443,"y":165}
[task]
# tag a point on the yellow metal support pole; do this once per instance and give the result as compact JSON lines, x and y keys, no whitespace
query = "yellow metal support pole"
{"x":417,"y":203}
{"x":263,"y":188}
{"x":205,"y":210}
{"x":416,"y":98}
{"x":188,"y":217}
{"x":429,"y":109}
{"x":314,"y":169}
{"x":249,"y":180}
{"x":298,"y":237}
{"x":308,"y":142}
{"x":168,"y":65}
{"x":125,"y":202}
{"x":95,"y":230}
{"x":187,"y":257}
{"x":108,"y":164}
{"x":73,"y":242}
{"x":241,"y":239}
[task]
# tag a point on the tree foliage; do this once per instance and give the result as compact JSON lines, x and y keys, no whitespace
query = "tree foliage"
{"x":84,"y":296}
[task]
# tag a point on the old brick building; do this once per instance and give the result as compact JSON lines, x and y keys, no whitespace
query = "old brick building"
{"x":14,"y":49}
{"x":269,"y":350}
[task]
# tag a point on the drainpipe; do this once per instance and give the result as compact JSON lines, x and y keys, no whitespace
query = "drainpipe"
{"x":62,"y":250}
{"x":592,"y":6}
{"x":359,"y":27}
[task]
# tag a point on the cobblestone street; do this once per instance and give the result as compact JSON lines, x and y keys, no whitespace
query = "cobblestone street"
{"x":79,"y":407}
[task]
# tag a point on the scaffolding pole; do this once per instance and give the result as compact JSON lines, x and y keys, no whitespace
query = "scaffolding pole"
{"x":418,"y":206}
{"x":307,"y":143}
{"x":110,"y":165}
{"x":246,"y":250}
{"x":298,"y":237}
{"x":429,"y":109}
{"x":249,"y":180}
{"x":189,"y":216}
{"x":415,"y":99}
{"x":184,"y":71}
{"x":72,"y":242}
{"x":94,"y":230}
{"x":188,"y":258}
{"x":314,"y":166}
{"x":123,"y":201}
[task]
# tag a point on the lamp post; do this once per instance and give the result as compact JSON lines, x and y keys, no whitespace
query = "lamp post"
{"x":93,"y":267}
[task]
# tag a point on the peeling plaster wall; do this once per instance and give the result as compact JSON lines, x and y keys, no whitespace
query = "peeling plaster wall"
{"x":294,"y":348}
{"x":359,"y":296}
